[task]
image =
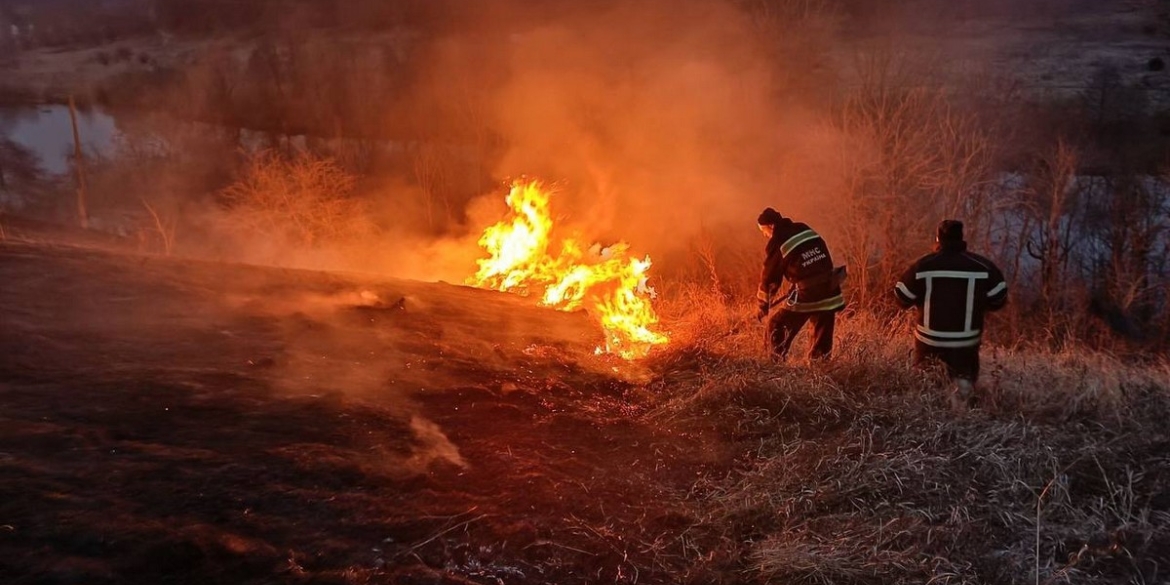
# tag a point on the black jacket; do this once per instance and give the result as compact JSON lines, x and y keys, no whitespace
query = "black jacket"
{"x":953,"y":289}
{"x":797,"y":254}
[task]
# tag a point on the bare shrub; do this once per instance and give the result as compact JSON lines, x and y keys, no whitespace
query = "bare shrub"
{"x":164,"y":226}
{"x":153,"y":182}
{"x":1129,"y":218}
{"x":302,"y":199}
{"x":911,"y":158}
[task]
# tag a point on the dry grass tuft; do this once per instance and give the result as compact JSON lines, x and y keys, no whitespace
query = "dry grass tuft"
{"x":858,"y":471}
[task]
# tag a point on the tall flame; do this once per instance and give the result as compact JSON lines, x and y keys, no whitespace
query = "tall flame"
{"x":607,"y":282}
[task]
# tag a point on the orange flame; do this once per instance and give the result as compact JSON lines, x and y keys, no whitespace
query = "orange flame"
{"x":607,"y":282}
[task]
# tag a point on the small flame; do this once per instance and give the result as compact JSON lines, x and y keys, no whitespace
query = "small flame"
{"x":608,"y":282}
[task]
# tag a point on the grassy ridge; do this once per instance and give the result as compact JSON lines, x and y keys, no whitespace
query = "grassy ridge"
{"x":859,"y":471}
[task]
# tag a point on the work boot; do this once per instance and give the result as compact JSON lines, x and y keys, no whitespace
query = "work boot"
{"x":964,"y":393}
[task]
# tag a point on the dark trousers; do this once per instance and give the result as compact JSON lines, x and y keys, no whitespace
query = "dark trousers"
{"x":961,"y":362}
{"x":783,"y":326}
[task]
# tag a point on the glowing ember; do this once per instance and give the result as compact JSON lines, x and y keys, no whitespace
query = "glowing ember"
{"x":607,"y":282}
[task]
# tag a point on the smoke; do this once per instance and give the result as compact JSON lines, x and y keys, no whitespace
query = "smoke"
{"x":656,"y":119}
{"x":433,"y":445}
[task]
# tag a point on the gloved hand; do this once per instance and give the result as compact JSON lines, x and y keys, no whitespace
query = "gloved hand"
{"x":763,"y":312}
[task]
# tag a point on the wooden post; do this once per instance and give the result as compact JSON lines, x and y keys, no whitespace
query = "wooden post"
{"x":79,"y":165}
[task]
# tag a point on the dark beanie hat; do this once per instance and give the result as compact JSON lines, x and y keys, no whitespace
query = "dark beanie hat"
{"x":769,"y":217}
{"x":950,"y":230}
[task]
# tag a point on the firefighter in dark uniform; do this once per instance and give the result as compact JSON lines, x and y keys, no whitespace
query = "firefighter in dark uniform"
{"x":797,"y":254}
{"x":953,"y":290}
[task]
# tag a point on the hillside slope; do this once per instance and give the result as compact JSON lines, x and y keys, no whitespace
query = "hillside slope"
{"x":172,"y":421}
{"x":180,"y":422}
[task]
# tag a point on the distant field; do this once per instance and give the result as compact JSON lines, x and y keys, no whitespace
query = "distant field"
{"x":1052,"y":50}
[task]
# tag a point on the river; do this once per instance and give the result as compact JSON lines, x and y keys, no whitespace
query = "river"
{"x":46,"y":131}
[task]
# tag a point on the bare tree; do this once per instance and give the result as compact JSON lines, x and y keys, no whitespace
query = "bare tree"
{"x":79,"y":167}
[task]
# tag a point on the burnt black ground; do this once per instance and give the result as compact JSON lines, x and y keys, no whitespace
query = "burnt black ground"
{"x":167,"y":421}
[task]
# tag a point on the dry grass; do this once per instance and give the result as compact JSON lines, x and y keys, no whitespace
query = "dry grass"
{"x":858,"y":471}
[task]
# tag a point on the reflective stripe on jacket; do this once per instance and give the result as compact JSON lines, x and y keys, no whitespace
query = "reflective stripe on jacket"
{"x":799,"y":255}
{"x":953,"y":290}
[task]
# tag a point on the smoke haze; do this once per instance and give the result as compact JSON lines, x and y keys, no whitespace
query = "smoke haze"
{"x":655,"y":119}
{"x":658,"y":122}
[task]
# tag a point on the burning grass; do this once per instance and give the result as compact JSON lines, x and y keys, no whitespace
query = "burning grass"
{"x":529,"y":255}
{"x":858,"y":471}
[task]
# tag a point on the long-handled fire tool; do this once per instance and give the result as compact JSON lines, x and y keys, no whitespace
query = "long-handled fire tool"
{"x":840,"y":274}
